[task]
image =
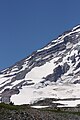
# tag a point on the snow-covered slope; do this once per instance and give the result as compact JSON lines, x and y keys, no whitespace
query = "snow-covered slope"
{"x":51,"y":72}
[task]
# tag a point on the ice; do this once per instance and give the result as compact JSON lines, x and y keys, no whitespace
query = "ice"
{"x":60,"y":39}
{"x":67,"y":103}
{"x":29,"y":94}
{"x":15,"y":68}
{"x":75,"y":27}
{"x":39,"y":106}
{"x":16,"y":82}
{"x":49,"y":46}
{"x":38,"y":73}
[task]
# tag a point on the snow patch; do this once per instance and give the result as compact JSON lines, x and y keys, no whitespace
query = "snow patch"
{"x":67,"y":103}
{"x":39,"y":106}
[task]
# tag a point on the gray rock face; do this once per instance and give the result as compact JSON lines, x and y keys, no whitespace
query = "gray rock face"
{"x":78,"y":66}
{"x":6,"y":94}
{"x":58,"y":71}
{"x":65,"y":68}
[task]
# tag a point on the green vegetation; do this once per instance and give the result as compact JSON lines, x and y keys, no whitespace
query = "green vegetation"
{"x":25,"y":112}
{"x":62,"y":110}
{"x":13,"y":107}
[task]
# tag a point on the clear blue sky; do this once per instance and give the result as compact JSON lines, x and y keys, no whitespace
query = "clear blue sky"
{"x":27,"y":25}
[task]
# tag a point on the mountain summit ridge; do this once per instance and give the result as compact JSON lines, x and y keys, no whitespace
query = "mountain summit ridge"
{"x":46,"y":73}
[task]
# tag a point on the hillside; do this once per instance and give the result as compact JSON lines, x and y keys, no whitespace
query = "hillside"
{"x":25,"y":112}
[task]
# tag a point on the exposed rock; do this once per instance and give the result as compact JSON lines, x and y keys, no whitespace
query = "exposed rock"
{"x":58,"y":71}
{"x":6,"y":94}
{"x":65,"y":67}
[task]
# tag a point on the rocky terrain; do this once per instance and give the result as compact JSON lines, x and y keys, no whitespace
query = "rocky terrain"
{"x":25,"y":112}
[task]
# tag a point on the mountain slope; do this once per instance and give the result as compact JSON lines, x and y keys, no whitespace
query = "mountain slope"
{"x":51,"y":72}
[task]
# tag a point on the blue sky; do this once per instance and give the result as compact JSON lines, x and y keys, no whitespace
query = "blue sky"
{"x":28,"y":25}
